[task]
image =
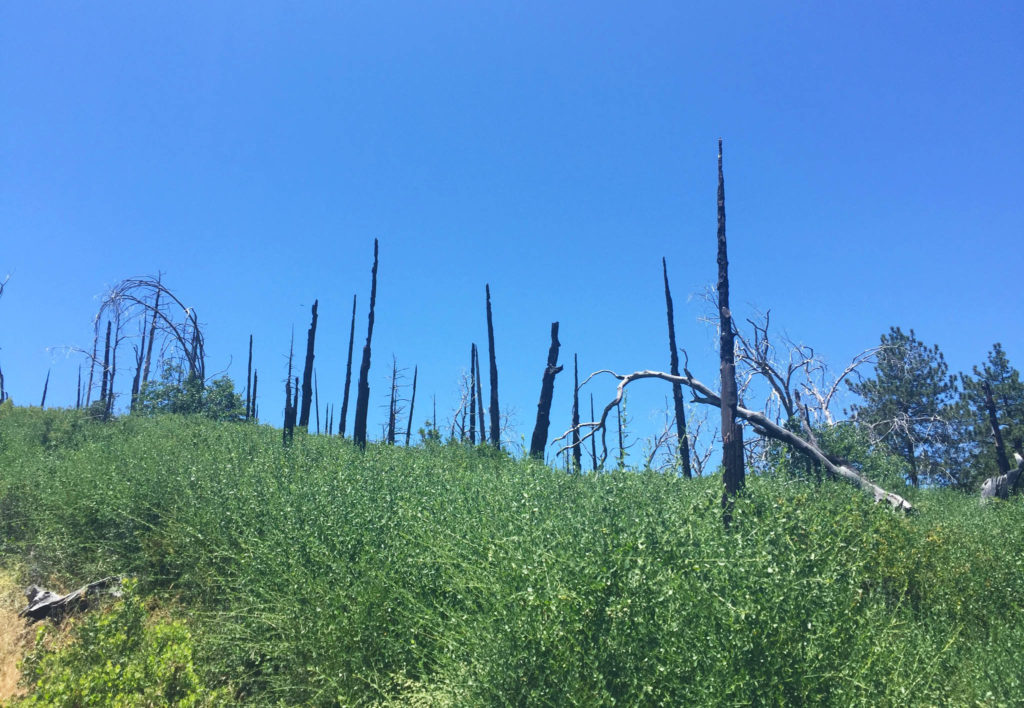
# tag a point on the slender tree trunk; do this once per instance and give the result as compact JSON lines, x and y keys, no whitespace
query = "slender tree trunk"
{"x":363,"y":389}
{"x":113,"y":364}
{"x":106,"y":371}
{"x":248,"y":383}
{"x":255,"y":384}
{"x":289,"y":411}
{"x":46,"y":385}
{"x":577,"y":453}
{"x":316,"y":400}
{"x":479,"y":395}
{"x":307,"y":372}
{"x":78,"y":394}
{"x":677,"y":389}
{"x":912,"y":457}
{"x":348,"y":372}
{"x":472,"y":394}
{"x":622,"y":446}
{"x":494,"y":410}
{"x":593,"y":438}
{"x":412,"y":404}
{"x":3,"y":393}
{"x":392,"y":410}
{"x":92,"y":363}
{"x":732,"y":442}
{"x":997,"y":434}
{"x":547,"y":390}
{"x":137,"y":379}
{"x":152,"y":337}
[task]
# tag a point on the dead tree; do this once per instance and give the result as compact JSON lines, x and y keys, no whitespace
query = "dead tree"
{"x":46,"y":385}
{"x":677,"y":390}
{"x":392,"y":406}
{"x":472,"y":394}
{"x":412,"y":404}
{"x":316,"y":400}
{"x":288,"y":431}
{"x":3,"y":391}
{"x":363,"y":388}
{"x":1005,"y":484}
{"x":255,"y":387}
{"x":761,"y":424}
{"x":348,"y":371}
{"x":248,"y":383}
{"x":997,"y":434}
{"x":593,"y":440}
{"x":78,"y":394}
{"x":479,"y":395}
{"x":152,"y":335}
{"x":732,"y":436}
{"x":307,"y":373}
{"x":495,"y":413}
{"x":547,"y":389}
{"x":577,"y":453}
{"x":106,"y":369}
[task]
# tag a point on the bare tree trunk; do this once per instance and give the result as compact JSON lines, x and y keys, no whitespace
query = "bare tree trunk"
{"x":348,"y":371}
{"x":248,"y":383}
{"x":622,"y":447}
{"x":547,"y":390}
{"x":997,"y":434}
{"x":479,"y":395}
{"x":677,"y":389}
{"x":732,"y":441}
{"x":289,"y":409}
{"x":255,"y":383}
{"x":78,"y":395}
{"x":412,"y":404}
{"x":316,"y":400}
{"x":137,"y":379}
{"x":391,"y":406}
{"x":577,"y":453}
{"x":92,"y":362}
{"x":307,"y":372}
{"x":106,"y":373}
{"x":152,"y":337}
{"x":363,"y":389}
{"x":495,"y":413}
{"x":46,"y":385}
{"x":472,"y":394}
{"x":593,"y":440}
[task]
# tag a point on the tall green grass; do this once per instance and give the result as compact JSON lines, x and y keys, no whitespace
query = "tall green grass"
{"x":318,"y":574}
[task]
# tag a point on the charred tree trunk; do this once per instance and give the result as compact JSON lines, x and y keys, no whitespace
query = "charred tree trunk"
{"x":289,"y":412}
{"x":622,"y":446}
{"x":732,"y":442}
{"x":106,"y":372}
{"x":677,"y":389}
{"x":547,"y":390}
{"x":248,"y":383}
{"x":255,"y":386}
{"x":46,"y":385}
{"x":412,"y":404}
{"x":348,"y":372}
{"x":78,"y":394}
{"x":577,"y":453}
{"x":92,"y":363}
{"x":137,"y":379}
{"x":593,"y":440}
{"x":392,"y":410}
{"x":472,"y":394}
{"x":152,"y":338}
{"x":479,"y":395}
{"x":307,"y":372}
{"x":495,"y":413}
{"x":316,"y":400}
{"x":363,"y":393}
{"x":997,"y":434}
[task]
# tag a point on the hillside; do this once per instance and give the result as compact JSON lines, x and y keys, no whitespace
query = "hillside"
{"x":317,"y":574}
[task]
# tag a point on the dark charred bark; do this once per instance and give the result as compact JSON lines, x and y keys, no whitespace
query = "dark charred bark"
{"x":152,"y":338}
{"x":622,"y":446}
{"x":539,"y":440}
{"x":307,"y":372}
{"x":106,"y":372}
{"x":577,"y":453}
{"x":316,"y":400}
{"x":113,"y":367}
{"x":412,"y":404}
{"x":732,"y":442}
{"x":255,"y":388}
{"x":392,"y":409}
{"x":495,"y":413}
{"x":78,"y":394}
{"x":289,"y":411}
{"x":92,"y":363}
{"x":593,"y":440}
{"x":137,"y":379}
{"x":677,"y":389}
{"x":997,"y":433}
{"x":348,"y":372}
{"x":479,"y":395}
{"x":472,"y":394}
{"x":46,"y":385}
{"x":3,"y":392}
{"x":248,"y":383}
{"x":363,"y":389}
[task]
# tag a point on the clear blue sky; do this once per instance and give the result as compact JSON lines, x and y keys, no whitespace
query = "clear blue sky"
{"x":252,"y":152}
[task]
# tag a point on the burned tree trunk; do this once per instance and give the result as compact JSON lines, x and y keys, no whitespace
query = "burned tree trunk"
{"x":593,"y":440}
{"x":307,"y":372}
{"x":997,"y":434}
{"x":92,"y":361}
{"x":472,"y":394}
{"x":106,"y":371}
{"x":363,"y":392}
{"x":316,"y":400}
{"x":392,"y":410}
{"x":412,"y":404}
{"x":78,"y":394}
{"x":479,"y":395}
{"x":732,"y":442}
{"x":1002,"y":486}
{"x":255,"y":386}
{"x":677,"y":389}
{"x":547,"y":389}
{"x":248,"y":383}
{"x":46,"y":385}
{"x":3,"y":392}
{"x":577,"y":453}
{"x":495,"y":414}
{"x":348,"y":372}
{"x":152,"y":337}
{"x":289,"y":409}
{"x":137,"y":379}
{"x":618,"y":425}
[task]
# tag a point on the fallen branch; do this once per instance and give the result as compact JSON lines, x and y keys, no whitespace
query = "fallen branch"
{"x":761,"y":424}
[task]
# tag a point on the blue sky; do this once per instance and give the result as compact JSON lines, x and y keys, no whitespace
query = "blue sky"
{"x":251,"y":152}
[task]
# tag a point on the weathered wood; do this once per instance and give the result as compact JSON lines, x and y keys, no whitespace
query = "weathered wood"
{"x":307,"y":372}
{"x":363,"y":387}
{"x":683,"y":447}
{"x":412,"y":404}
{"x":348,"y":372}
{"x":43,"y":604}
{"x":539,"y":440}
{"x":577,"y":453}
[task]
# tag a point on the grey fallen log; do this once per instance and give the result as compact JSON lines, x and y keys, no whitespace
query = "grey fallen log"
{"x":1002,"y":486}
{"x":44,"y":604}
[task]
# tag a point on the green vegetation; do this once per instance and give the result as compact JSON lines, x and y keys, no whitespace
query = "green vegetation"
{"x":318,"y":574}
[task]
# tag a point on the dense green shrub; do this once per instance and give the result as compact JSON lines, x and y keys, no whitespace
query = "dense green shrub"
{"x":319,"y":574}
